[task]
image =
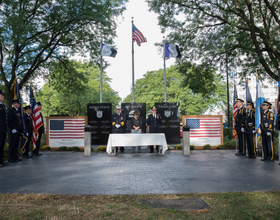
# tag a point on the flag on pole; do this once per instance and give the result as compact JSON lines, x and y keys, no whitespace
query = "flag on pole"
{"x":172,"y":50}
{"x":107,"y":50}
{"x":259,"y":100}
{"x":36,"y":118}
{"x":23,"y":135}
{"x":137,"y":36}
{"x":235,"y":110}
{"x":248,"y":94}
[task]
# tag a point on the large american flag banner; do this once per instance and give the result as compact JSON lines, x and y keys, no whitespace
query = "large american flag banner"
{"x":204,"y":130}
{"x":66,"y":132}
{"x":235,"y":110}
{"x":137,"y":36}
{"x":36,"y":118}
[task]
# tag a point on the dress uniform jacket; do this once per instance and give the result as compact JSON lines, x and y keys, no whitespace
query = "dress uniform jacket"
{"x":154,"y":123}
{"x":240,"y":123}
{"x":14,"y":120}
{"x":250,"y":127}
{"x":3,"y":129}
{"x":267,"y":125}
{"x":29,"y":129}
{"x":118,"y":119}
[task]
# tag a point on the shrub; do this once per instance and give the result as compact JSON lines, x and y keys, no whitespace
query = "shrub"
{"x":46,"y":148}
{"x":192,"y":147}
{"x":73,"y":149}
{"x":207,"y":147}
{"x":178,"y":147}
{"x":64,"y":148}
{"x":101,"y":148}
{"x":219,"y":147}
{"x":168,"y":147}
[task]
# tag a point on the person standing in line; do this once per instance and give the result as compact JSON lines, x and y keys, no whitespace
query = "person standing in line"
{"x":240,"y":127}
{"x":41,"y":130}
{"x":136,"y":124}
{"x":118,"y":122}
{"x":267,"y":132}
{"x":153,"y":122}
{"x":3,"y":129}
{"x":250,"y":130}
{"x":29,"y":129}
{"x":14,"y":125}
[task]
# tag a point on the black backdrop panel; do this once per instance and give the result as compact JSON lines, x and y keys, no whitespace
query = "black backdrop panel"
{"x":129,"y":108}
{"x":170,"y":113}
{"x":99,"y":117}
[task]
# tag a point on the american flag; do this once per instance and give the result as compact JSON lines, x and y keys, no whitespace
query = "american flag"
{"x":235,"y":110}
{"x":137,"y":36}
{"x":36,"y":118}
{"x":204,"y":127}
{"x":67,"y":129}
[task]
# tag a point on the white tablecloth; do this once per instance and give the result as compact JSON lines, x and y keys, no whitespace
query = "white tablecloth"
{"x":128,"y":140}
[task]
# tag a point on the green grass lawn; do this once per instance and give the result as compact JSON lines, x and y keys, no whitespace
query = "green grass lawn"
{"x":237,"y":205}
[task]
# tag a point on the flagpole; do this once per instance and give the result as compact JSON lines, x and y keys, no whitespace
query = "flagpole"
{"x":133,"y":100}
{"x":101,"y":71}
{"x":278,"y":115}
{"x":164,"y":67}
{"x":256,"y":115}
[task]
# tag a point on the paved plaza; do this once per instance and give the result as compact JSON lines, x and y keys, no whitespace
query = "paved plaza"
{"x":58,"y":172}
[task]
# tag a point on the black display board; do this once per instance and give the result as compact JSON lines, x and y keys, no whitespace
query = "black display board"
{"x":129,"y":108}
{"x":99,"y":118}
{"x":170,"y":113}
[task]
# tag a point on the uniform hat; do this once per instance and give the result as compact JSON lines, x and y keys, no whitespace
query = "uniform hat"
{"x":154,"y":108}
{"x":39,"y":103}
{"x":118,"y":107}
{"x":266,"y":103}
{"x":250,"y":103}
{"x":16,"y":101}
{"x":239,"y":100}
{"x":27,"y":107}
{"x":1,"y":92}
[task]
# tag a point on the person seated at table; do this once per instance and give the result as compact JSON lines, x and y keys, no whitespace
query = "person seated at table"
{"x":153,"y":122}
{"x":136,"y":124}
{"x":118,"y":122}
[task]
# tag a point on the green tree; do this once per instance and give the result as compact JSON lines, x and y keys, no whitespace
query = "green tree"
{"x":71,"y":86}
{"x":246,"y":31}
{"x":35,"y":32}
{"x":150,"y":89}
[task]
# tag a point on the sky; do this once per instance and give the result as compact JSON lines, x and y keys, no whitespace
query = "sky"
{"x":146,"y":57}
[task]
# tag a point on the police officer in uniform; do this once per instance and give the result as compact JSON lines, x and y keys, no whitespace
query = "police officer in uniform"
{"x":14,"y":125}
{"x":29,"y":130}
{"x":240,"y":127}
{"x":3,"y":129}
{"x":267,"y":132}
{"x":250,"y":130}
{"x":118,"y":122}
{"x":153,"y":122}
{"x":41,"y":130}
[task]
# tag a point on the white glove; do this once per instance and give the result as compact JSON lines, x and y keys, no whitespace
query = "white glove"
{"x":26,"y":134}
{"x":253,"y":131}
{"x":243,"y":130}
{"x":118,"y":125}
{"x":14,"y":131}
{"x":268,"y":133}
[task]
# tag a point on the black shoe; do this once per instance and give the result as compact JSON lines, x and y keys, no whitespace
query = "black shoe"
{"x":19,"y":159}
{"x":263,"y":159}
{"x":12,"y":160}
{"x":122,"y":151}
{"x":237,"y":154}
{"x":251,"y":158}
{"x":269,"y":161}
{"x":6,"y":163}
{"x":2,"y":165}
{"x":37,"y":154}
{"x":27,"y":156}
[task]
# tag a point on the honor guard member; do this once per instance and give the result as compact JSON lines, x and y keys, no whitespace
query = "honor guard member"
{"x":41,"y":130}
{"x":153,"y":122}
{"x":3,"y":129}
{"x":29,"y":129}
{"x":267,"y":132}
{"x":118,"y":122}
{"x":240,"y":127}
{"x":250,"y":130}
{"x":14,"y":125}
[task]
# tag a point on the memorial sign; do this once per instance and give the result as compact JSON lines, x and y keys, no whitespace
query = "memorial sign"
{"x":99,"y":118}
{"x":128,"y":110}
{"x":170,"y":113}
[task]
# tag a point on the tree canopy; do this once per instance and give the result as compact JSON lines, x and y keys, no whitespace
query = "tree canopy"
{"x":71,"y":86}
{"x":150,"y":89}
{"x":33,"y":32}
{"x":247,"y":31}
